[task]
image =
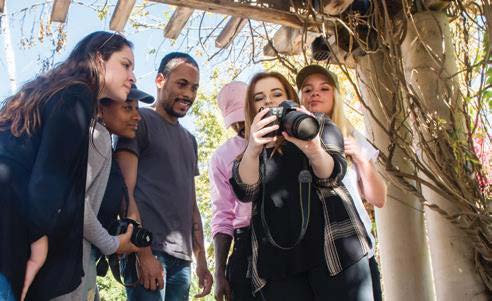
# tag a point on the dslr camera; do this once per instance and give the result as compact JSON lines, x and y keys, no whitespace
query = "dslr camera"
{"x":298,"y":124}
{"x":141,"y":237}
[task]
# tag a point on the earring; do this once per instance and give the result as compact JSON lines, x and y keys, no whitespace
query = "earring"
{"x":100,"y":119}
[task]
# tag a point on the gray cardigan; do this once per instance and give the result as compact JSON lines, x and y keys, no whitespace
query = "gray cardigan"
{"x":98,"y":168}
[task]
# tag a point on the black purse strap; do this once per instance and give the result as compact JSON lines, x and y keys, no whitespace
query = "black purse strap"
{"x":305,"y":180}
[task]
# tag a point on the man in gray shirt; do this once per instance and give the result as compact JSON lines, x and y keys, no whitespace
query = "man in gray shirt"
{"x":159,"y":167}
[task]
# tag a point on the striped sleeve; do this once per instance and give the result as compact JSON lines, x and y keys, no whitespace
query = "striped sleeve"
{"x":246,"y":193}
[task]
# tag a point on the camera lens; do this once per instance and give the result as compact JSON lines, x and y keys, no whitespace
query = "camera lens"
{"x":301,"y":125}
{"x":141,"y":237}
{"x":306,"y":128}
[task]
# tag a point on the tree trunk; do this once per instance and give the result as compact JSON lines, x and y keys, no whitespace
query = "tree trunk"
{"x":430,"y":69}
{"x":404,"y":256}
{"x":9,"y":50}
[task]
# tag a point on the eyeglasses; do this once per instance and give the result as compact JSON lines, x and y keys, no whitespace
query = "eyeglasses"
{"x":109,"y":39}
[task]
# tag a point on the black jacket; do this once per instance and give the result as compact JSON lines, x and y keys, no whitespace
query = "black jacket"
{"x":43,"y":191}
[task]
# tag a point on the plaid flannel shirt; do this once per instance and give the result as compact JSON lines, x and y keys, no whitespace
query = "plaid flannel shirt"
{"x":345,"y":238}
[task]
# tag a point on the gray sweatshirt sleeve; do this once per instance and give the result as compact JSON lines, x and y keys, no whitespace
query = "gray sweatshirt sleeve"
{"x":95,"y":233}
{"x":98,"y":169}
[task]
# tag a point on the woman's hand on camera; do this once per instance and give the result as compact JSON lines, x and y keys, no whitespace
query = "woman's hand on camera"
{"x":311,"y":148}
{"x":126,"y":246}
{"x":258,"y":131}
{"x":321,"y":162}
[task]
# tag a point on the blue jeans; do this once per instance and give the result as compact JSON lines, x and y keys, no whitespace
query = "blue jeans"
{"x":176,"y":286}
{"x":6,"y":293}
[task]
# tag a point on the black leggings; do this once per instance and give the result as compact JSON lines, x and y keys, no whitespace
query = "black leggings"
{"x":353,"y":284}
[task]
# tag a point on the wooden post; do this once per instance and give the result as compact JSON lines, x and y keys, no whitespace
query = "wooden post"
{"x":177,"y":22}
{"x":404,"y":255}
{"x":232,"y":28}
{"x":121,"y":14}
{"x":2,"y":6}
{"x":60,"y":10}
{"x":430,"y":71}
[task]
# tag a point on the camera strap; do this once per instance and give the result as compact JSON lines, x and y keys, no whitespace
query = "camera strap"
{"x":305,"y":179}
{"x":126,"y":197}
{"x":131,"y":262}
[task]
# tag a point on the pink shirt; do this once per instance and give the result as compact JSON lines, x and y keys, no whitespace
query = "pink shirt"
{"x":228,"y":213}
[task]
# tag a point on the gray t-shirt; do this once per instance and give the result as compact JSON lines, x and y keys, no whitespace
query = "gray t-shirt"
{"x":165,"y":189}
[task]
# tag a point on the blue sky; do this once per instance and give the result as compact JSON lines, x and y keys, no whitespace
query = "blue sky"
{"x":150,"y":44}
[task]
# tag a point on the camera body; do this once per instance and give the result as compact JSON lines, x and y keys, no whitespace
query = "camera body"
{"x":296,"y":123}
{"x":141,"y":237}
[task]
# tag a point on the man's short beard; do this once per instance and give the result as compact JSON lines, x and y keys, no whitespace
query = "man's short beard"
{"x":169,"y":109}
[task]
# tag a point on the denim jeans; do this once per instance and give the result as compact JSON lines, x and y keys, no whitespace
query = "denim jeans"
{"x":6,"y":293}
{"x":176,"y":286}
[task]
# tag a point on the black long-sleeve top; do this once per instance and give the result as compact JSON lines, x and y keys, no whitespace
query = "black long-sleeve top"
{"x":42,"y":184}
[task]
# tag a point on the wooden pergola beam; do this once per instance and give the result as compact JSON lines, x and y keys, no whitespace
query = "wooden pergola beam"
{"x":235,"y":9}
{"x":121,"y":14}
{"x":177,"y":22}
{"x":232,"y":28}
{"x":59,"y":11}
{"x":288,"y":41}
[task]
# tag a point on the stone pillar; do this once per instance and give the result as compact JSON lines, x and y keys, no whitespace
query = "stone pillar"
{"x":430,"y":65}
{"x":404,"y":256}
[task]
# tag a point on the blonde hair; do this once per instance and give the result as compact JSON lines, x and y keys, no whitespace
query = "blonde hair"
{"x":338,"y":114}
{"x":338,"y":111}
